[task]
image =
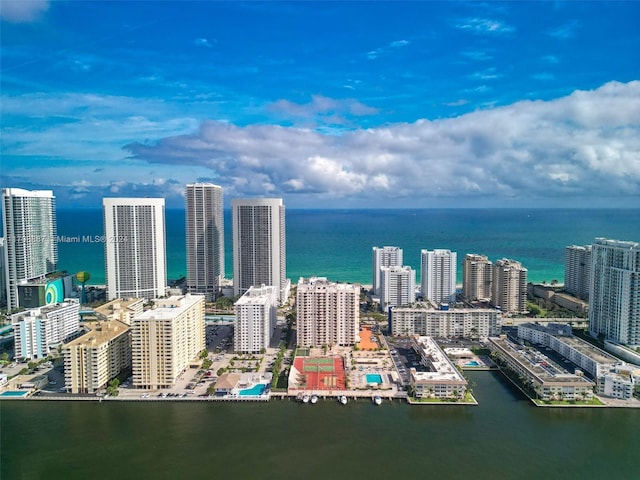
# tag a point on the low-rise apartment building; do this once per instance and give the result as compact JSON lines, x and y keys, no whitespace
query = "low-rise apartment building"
{"x":443,"y":380}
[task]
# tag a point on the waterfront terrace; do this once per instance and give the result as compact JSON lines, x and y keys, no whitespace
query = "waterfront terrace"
{"x":533,"y":371}
{"x":443,"y":380}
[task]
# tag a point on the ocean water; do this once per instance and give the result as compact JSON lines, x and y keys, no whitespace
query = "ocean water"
{"x":337,"y":243}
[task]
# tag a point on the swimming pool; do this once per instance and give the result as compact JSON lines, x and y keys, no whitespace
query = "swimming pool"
{"x":253,"y":391}
{"x":472,"y":363}
{"x":373,"y":378}
{"x":14,"y":394}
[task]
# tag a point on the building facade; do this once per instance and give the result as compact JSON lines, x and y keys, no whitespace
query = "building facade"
{"x":97,"y":357}
{"x":425,"y":320}
{"x":259,"y":248}
{"x":39,"y":330}
{"x":256,"y":319}
{"x":577,"y":266}
{"x":476,"y":278}
{"x":384,"y":257}
{"x":328,"y":313}
{"x":509,"y":286}
{"x":165,"y":339}
{"x":438,"y":275}
{"x":442,"y":380}
{"x":397,"y":286}
{"x":30,"y":245}
{"x":134,"y":245}
{"x":614,"y":295}
{"x":205,"y":239}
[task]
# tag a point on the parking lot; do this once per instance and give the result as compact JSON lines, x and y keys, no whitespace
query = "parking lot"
{"x":219,"y":338}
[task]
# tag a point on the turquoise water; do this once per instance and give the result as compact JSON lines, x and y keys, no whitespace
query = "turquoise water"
{"x":253,"y":391}
{"x":13,"y":393}
{"x":337,"y":243}
{"x":373,"y":378}
{"x":472,"y":363}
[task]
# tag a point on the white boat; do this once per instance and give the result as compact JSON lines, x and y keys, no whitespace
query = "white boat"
{"x":314,"y":399}
{"x":305,"y":399}
{"x":377,"y":400}
{"x":343,"y":400}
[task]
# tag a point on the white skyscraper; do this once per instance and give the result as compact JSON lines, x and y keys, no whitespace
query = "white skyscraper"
{"x":438,"y":275}
{"x":205,"y":239}
{"x":614,"y":296}
{"x":255,"y":319}
{"x":397,"y":286}
{"x":134,"y":247}
{"x":328,"y":313}
{"x":384,"y":257}
{"x":259,"y":256}
{"x":31,"y":248}
{"x":509,"y":286}
{"x":476,"y":277}
{"x":577,"y":264}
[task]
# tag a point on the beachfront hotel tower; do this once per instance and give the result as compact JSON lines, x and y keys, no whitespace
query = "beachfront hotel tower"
{"x":438,"y":275}
{"x":328,"y":313}
{"x":30,"y":244}
{"x":134,"y":246}
{"x":476,"y":277}
{"x":577,"y":266}
{"x":205,"y":239}
{"x":384,"y":257}
{"x":166,"y":339}
{"x":397,"y":286}
{"x":259,"y":253}
{"x":255,"y":319}
{"x":614,"y":296}
{"x":509,"y":286}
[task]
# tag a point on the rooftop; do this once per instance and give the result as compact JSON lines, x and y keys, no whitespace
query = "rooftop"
{"x":99,"y":333}
{"x":443,"y":368}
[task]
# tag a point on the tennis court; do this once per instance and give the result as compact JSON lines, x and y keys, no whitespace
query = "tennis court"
{"x":318,"y":373}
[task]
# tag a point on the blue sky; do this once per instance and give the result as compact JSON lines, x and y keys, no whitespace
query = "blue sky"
{"x":327,"y":104}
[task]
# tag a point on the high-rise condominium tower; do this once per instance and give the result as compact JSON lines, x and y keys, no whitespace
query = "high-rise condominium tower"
{"x":30,"y":247}
{"x":134,"y":246}
{"x":384,"y":257}
{"x":259,"y":256}
{"x":256,"y":319}
{"x":398,"y":286}
{"x":205,"y":239}
{"x":438,"y":275}
{"x":614,"y":296}
{"x":509,"y":286}
{"x":476,"y":277}
{"x":328,"y":312}
{"x":577,"y":263}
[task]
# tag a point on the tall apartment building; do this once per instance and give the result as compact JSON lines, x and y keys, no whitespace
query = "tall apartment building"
{"x":577,"y":266}
{"x":205,"y":239}
{"x":134,"y":246}
{"x":384,"y":257}
{"x":31,"y":248}
{"x":165,"y":339}
{"x":256,"y":319}
{"x":259,"y":253}
{"x":509,"y":286}
{"x":97,"y":357}
{"x":438,"y":275}
{"x":3,"y":275}
{"x":614,"y":296}
{"x":397,"y":286}
{"x":120,"y":309}
{"x":38,"y":330}
{"x":328,"y":312}
{"x":476,"y":277}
